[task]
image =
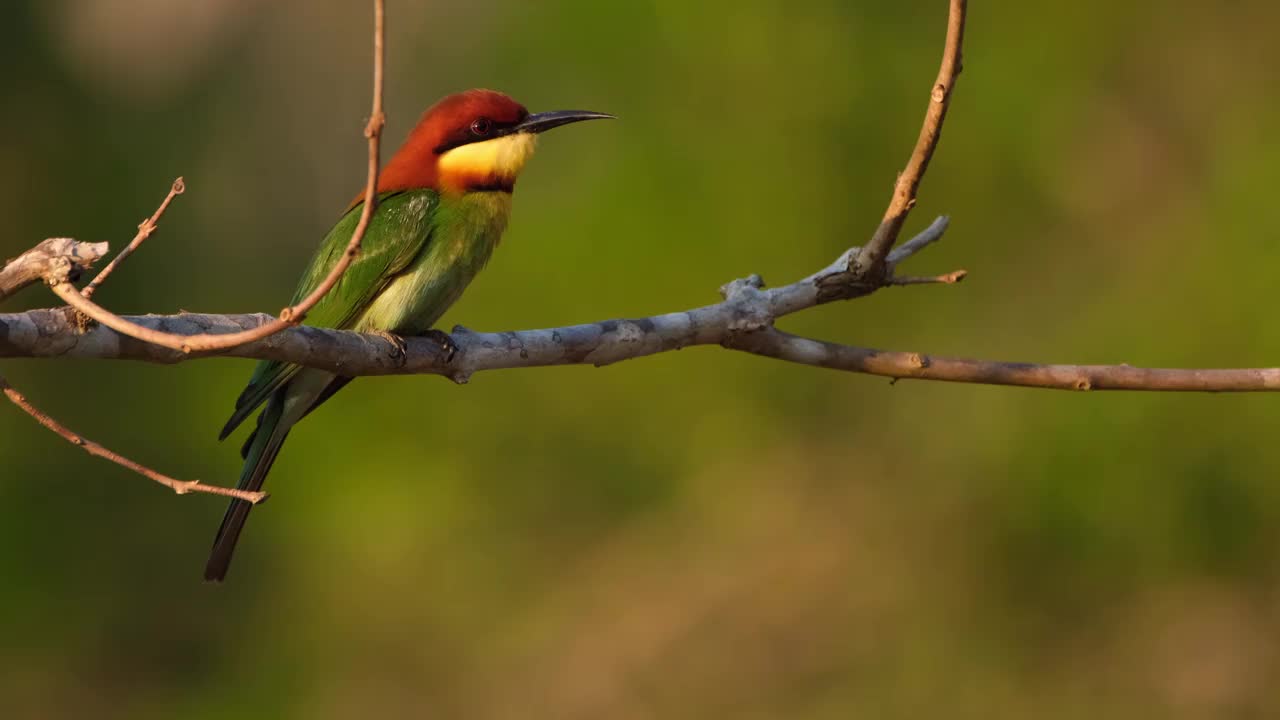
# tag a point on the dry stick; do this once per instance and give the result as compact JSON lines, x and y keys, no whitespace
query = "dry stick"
{"x":145,"y":228}
{"x":869,"y":264}
{"x":289,"y":316}
{"x":181,"y":487}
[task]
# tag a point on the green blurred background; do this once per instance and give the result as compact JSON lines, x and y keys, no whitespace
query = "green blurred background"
{"x":699,"y":534}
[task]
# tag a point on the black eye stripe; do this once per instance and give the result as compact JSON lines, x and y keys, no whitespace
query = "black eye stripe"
{"x":467,"y":134}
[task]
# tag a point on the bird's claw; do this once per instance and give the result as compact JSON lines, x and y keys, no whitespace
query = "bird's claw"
{"x":445,"y":341}
{"x":399,"y":349}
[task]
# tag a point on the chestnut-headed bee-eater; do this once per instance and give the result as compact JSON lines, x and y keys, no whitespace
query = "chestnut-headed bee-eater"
{"x":443,"y":203}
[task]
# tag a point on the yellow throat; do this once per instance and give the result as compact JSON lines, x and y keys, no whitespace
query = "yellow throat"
{"x":489,"y":165}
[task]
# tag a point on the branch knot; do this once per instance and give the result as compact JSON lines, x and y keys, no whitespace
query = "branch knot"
{"x":749,"y":305}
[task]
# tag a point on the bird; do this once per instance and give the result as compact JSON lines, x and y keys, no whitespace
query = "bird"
{"x":444,"y":199}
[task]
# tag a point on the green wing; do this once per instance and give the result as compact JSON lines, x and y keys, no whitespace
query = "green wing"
{"x":397,"y":232}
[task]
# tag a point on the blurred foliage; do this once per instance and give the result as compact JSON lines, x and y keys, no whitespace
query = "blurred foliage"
{"x":699,"y":534}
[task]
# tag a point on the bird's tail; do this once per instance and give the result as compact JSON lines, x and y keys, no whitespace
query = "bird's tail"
{"x":259,"y":453}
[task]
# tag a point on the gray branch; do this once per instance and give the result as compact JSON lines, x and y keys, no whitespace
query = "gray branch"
{"x":743,"y":321}
{"x":747,"y":308}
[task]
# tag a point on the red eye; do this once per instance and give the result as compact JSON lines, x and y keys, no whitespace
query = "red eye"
{"x":481,"y":127}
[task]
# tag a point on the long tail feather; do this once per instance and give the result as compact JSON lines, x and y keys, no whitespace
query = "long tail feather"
{"x":261,"y":452}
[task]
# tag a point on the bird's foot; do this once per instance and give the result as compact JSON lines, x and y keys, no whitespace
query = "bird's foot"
{"x":399,"y":349}
{"x":445,"y":341}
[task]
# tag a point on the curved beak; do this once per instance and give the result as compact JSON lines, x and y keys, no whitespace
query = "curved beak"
{"x":543,"y":121}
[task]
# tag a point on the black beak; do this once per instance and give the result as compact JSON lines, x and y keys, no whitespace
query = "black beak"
{"x":543,"y":121}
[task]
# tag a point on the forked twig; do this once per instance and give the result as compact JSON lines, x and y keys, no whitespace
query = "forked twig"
{"x":145,"y":228}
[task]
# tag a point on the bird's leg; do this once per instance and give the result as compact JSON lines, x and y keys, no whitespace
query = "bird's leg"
{"x":445,"y":341}
{"x":400,"y":350}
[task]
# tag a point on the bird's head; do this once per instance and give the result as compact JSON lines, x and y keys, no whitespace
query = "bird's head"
{"x":478,"y":140}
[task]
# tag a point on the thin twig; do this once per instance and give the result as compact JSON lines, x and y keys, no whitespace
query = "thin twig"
{"x":927,"y":237}
{"x":145,"y":228}
{"x":181,"y":487}
{"x":289,"y":316}
{"x":870,"y":263}
{"x":950,"y":278}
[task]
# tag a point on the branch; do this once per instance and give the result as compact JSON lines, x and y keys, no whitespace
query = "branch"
{"x":55,"y":256}
{"x":181,"y":487}
{"x":743,"y":322}
{"x":53,"y":333}
{"x":289,"y":316}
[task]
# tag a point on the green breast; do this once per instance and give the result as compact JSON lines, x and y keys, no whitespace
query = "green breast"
{"x":463,"y":234}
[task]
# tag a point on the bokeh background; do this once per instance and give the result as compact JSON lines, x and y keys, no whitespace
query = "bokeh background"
{"x":698,"y":534}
